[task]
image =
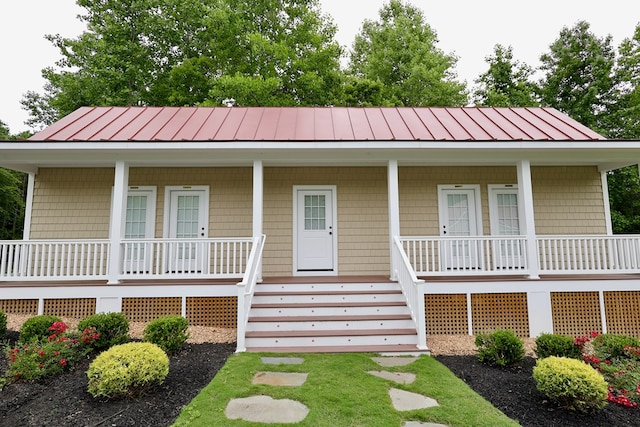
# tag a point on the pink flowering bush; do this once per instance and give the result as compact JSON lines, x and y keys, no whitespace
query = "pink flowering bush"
{"x":617,"y":358}
{"x":39,"y":358}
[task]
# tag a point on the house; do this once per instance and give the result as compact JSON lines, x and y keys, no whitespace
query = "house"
{"x":325,"y":229}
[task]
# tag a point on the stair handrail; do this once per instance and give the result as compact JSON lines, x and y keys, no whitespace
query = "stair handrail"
{"x":412,"y":289}
{"x":246,"y":288}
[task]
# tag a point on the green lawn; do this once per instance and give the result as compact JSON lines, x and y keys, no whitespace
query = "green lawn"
{"x":339,"y":392}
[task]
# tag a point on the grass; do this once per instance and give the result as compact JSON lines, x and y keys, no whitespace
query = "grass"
{"x":339,"y":392}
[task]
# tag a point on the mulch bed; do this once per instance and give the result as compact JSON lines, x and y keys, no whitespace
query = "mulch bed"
{"x":513,"y":391}
{"x":63,"y":400}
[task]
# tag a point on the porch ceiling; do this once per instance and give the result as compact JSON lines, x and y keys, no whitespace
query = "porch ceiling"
{"x":606,"y":155}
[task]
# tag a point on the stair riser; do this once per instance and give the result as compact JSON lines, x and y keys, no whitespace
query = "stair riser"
{"x":327,"y":311}
{"x":331,"y":341}
{"x":307,"y":299}
{"x":330,"y":325}
{"x":327,"y":287}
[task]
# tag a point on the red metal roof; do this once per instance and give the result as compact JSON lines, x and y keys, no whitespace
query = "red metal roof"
{"x":142,"y":124}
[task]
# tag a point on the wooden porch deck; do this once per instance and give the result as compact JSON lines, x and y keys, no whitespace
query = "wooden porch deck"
{"x":318,"y":279}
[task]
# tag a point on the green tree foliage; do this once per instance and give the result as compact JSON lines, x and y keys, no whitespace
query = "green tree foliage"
{"x":399,"y":51}
{"x":578,"y":75}
{"x":625,"y":112}
{"x":507,"y":82}
{"x":12,"y":191}
{"x":187,"y":52}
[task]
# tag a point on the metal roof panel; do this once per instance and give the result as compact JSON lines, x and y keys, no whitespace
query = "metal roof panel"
{"x":315,"y":124}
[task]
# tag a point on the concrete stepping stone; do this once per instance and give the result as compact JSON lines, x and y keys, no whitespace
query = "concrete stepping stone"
{"x":282,"y":360}
{"x":290,"y":379}
{"x":421,"y":424}
{"x":407,"y":401}
{"x":265,"y":409}
{"x":397,"y":377}
{"x":392,"y":361}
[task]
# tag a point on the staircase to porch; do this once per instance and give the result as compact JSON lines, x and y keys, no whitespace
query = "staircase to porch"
{"x":330,"y":317}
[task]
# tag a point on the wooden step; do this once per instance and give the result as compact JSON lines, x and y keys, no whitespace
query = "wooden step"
{"x":401,"y":348}
{"x":327,"y":318}
{"x":331,"y":304}
{"x":320,"y":333}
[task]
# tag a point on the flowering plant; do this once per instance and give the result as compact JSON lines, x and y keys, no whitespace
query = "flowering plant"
{"x":37,"y":359}
{"x":618,"y":363}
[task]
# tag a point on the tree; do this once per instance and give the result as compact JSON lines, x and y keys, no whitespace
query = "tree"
{"x":282,"y":53}
{"x":186,"y":52}
{"x":624,"y":120}
{"x":399,"y":51}
{"x":578,"y":76}
{"x":506,"y":83}
{"x":12,"y":192}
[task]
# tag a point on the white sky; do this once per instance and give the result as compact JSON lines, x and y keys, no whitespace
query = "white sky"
{"x":468,"y":28}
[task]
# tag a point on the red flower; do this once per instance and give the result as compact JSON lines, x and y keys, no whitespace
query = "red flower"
{"x":63,"y":362}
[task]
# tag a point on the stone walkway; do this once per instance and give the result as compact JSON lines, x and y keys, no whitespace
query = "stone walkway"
{"x":264,"y":409}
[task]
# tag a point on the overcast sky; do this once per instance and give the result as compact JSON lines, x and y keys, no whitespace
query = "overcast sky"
{"x":468,"y":28}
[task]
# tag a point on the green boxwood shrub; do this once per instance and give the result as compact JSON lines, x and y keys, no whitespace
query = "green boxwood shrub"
{"x":611,"y":346}
{"x":37,"y":327}
{"x":557,"y":345}
{"x":127,"y":370}
{"x":501,"y":348}
{"x":167,"y":332}
{"x":570,"y":383}
{"x":113,"y":329}
{"x":3,"y":323}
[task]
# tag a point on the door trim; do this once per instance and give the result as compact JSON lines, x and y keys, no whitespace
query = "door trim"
{"x":334,"y":213}
{"x":167,"y":205}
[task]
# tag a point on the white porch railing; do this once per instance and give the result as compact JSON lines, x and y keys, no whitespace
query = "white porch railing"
{"x":413,"y":290}
{"x":173,"y":258}
{"x":589,"y":254}
{"x":482,"y":255}
{"x":246,"y":289}
{"x":53,"y":259}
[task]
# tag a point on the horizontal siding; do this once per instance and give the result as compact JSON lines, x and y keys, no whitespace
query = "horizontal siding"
{"x":362,"y":224}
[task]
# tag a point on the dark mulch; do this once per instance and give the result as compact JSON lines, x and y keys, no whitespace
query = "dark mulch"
{"x":513,"y":391}
{"x":63,"y":400}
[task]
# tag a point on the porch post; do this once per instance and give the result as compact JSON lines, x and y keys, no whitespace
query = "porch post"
{"x":394,"y":211}
{"x":26,"y":231}
{"x":606,"y":203}
{"x":258,"y":203}
{"x":116,"y":224}
{"x":527,"y":222}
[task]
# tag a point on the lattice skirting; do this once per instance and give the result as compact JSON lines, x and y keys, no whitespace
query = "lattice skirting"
{"x":623,"y":312}
{"x":77,"y":308}
{"x":219,"y":312}
{"x":147,"y":309}
{"x":575,"y":313}
{"x":446,"y":314}
{"x":500,"y":311}
{"x":19,"y":306}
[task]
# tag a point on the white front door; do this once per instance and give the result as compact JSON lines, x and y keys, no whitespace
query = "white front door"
{"x":188,"y":220}
{"x":505,"y":221}
{"x":459,"y":218}
{"x":139,"y":224}
{"x":315,"y":231}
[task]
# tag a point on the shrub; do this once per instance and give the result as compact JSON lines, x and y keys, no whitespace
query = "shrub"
{"x":3,"y":323}
{"x":557,"y":345}
{"x":112,"y":328}
{"x":37,"y":328}
{"x":570,"y":383}
{"x":167,"y":332}
{"x":39,"y":358}
{"x":501,"y":347}
{"x":127,"y":370}
{"x":611,"y":346}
